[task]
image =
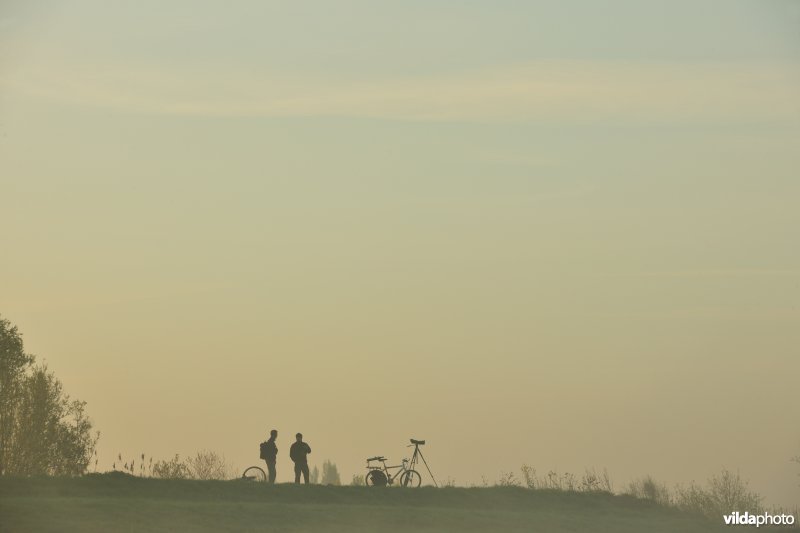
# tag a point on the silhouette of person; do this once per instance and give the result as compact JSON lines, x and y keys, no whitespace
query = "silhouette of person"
{"x":272,"y":454}
{"x":299,"y":452}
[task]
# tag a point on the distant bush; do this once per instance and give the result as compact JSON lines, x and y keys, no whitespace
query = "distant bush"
{"x":330,"y":474}
{"x":208,"y":465}
{"x":647,"y":488}
{"x":172,"y":469}
{"x":357,"y":481}
{"x":725,"y":493}
{"x":722,"y":494}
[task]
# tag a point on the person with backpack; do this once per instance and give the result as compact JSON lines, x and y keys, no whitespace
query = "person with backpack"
{"x":299,"y":452}
{"x":269,"y":452}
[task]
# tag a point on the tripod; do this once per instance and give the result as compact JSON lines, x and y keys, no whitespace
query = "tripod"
{"x":418,"y":455}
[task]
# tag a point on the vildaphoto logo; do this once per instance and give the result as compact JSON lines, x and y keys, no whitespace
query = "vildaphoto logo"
{"x":765,"y":519}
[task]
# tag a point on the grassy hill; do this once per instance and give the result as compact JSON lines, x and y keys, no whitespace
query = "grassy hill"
{"x":118,"y":502}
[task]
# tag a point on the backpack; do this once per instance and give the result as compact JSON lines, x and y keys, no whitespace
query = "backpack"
{"x":264,"y":450}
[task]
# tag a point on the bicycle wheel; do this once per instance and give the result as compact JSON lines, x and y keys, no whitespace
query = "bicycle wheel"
{"x":410,"y":478}
{"x":254,"y":473}
{"x":376,"y":478}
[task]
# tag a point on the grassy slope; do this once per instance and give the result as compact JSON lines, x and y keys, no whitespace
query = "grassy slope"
{"x":116,"y":502}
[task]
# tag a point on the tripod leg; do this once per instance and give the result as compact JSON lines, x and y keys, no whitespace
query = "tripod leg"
{"x":426,"y":466}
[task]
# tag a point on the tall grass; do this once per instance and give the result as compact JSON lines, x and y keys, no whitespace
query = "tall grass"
{"x":205,"y":464}
{"x":589,"y":481}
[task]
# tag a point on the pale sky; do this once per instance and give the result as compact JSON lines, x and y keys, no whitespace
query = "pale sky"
{"x":559,"y":234}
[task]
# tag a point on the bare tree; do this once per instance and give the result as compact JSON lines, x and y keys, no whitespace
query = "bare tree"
{"x":208,"y":465}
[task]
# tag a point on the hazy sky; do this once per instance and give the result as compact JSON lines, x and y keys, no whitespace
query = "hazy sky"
{"x":560,"y":234}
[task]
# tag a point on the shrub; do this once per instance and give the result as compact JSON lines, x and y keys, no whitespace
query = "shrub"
{"x":172,"y":469}
{"x":726,"y":492}
{"x":648,"y":488}
{"x":730,"y":491}
{"x":208,"y":465}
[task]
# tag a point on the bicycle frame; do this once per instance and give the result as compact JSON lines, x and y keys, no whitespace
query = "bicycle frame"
{"x":385,"y":469}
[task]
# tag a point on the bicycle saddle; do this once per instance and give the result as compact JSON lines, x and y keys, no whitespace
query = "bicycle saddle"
{"x":377,"y":458}
{"x":419,"y":442}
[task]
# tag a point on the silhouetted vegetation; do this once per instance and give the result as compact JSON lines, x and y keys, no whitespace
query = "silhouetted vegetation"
{"x":722,"y":494}
{"x":648,"y":488}
{"x":42,"y":430}
{"x":206,"y":464}
{"x":330,"y":474}
{"x":589,"y":481}
{"x":173,"y":468}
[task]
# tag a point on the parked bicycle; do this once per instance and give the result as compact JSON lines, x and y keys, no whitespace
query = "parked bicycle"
{"x":254,"y":473}
{"x":381,"y":475}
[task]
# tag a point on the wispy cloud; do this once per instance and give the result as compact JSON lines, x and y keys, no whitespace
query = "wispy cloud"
{"x":709,"y":273}
{"x":729,"y":272}
{"x":565,"y":90}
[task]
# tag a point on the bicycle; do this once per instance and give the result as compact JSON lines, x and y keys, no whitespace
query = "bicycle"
{"x":254,"y":473}
{"x":378,"y":476}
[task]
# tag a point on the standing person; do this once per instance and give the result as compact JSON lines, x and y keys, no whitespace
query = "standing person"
{"x":269,"y":452}
{"x":299,"y":452}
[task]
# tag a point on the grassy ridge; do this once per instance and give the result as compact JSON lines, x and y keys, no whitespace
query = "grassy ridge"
{"x":114,"y":502}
